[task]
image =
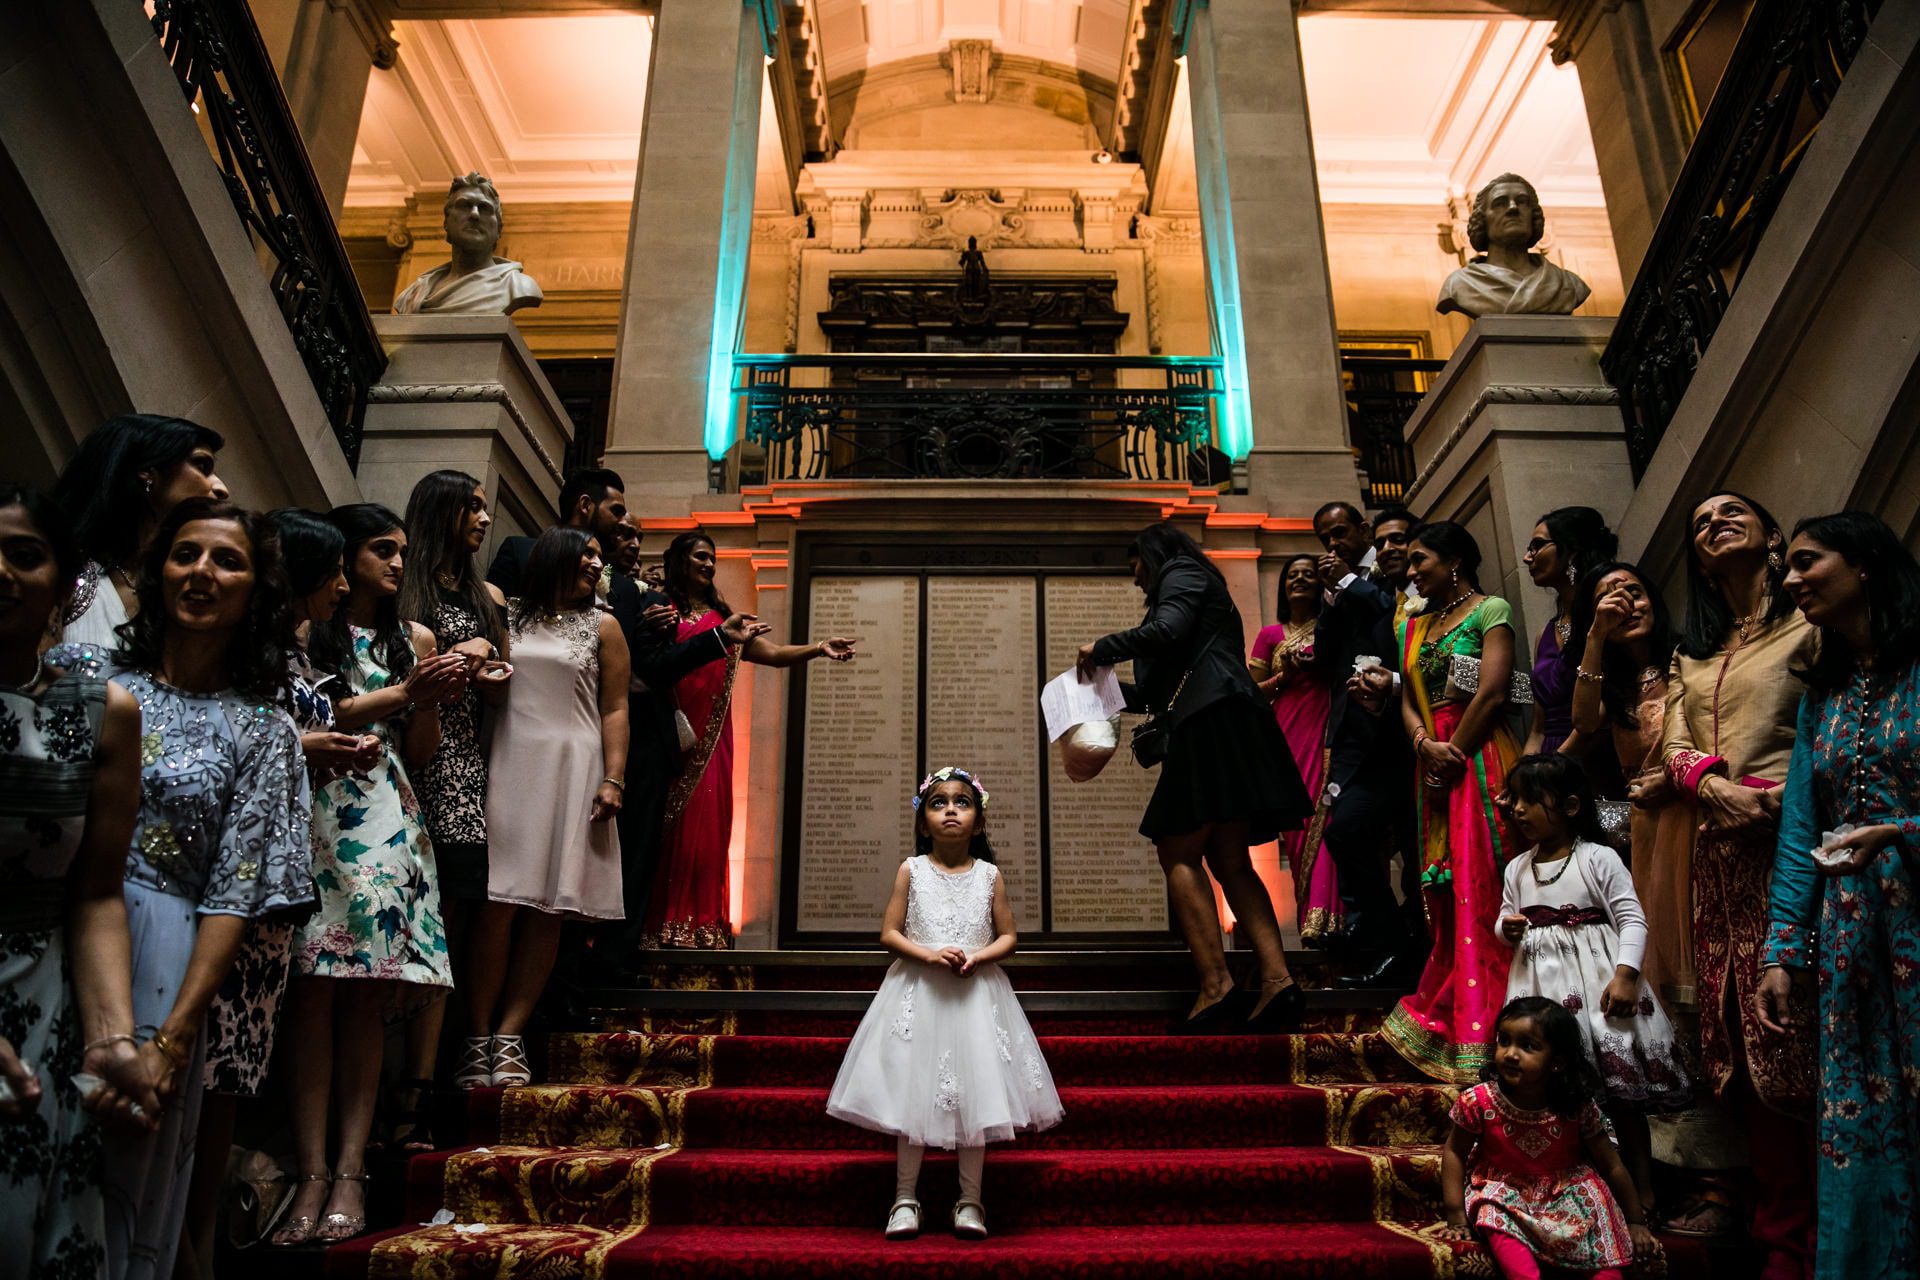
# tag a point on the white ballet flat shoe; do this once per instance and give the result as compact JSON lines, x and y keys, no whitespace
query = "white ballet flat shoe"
{"x":903,"y":1220}
{"x":970,"y":1220}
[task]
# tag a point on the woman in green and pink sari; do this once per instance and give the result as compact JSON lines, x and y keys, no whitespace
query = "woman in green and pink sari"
{"x":1457,"y":655}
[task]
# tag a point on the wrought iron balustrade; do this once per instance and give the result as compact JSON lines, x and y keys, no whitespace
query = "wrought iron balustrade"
{"x":1382,"y":392}
{"x":982,"y":416}
{"x":1780,"y":79}
{"x":216,"y":51}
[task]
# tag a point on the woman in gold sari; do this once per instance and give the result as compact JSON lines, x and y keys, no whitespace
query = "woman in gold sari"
{"x":1732,"y":707}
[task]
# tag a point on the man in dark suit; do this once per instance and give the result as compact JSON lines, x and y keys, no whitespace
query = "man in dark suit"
{"x":1370,"y":765}
{"x":593,"y":499}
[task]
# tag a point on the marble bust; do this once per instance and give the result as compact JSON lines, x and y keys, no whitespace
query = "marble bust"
{"x":1508,"y":278}
{"x":475,"y":282}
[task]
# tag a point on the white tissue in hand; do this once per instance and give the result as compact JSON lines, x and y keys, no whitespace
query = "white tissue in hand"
{"x":1365,"y":662}
{"x":1826,"y":856}
{"x":1086,"y":748}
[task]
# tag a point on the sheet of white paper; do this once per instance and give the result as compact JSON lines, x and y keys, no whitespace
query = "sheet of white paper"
{"x":1066,"y":702}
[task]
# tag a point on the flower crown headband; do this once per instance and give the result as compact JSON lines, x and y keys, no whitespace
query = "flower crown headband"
{"x":948,"y":774}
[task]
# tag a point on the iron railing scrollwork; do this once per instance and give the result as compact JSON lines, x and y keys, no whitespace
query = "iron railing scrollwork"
{"x":1781,"y":78}
{"x":216,"y":51}
{"x":1382,"y":393}
{"x":981,"y":417}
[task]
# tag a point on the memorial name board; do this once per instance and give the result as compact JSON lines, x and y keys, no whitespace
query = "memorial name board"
{"x":982,"y":699}
{"x":860,"y":752}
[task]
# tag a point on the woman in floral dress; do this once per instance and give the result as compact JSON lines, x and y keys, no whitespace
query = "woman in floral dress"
{"x":69,"y":785}
{"x":222,"y":838}
{"x":378,"y":922}
{"x":1457,"y":654}
{"x":1856,"y":923}
{"x":1282,"y":664}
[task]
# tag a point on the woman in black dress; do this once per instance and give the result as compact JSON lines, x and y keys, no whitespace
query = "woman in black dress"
{"x":447,"y":522}
{"x":1228,"y":781}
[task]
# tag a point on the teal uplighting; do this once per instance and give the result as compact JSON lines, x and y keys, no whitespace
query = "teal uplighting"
{"x":736,"y":224}
{"x":1216,"y":229}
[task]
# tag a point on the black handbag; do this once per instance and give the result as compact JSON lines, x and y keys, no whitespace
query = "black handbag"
{"x":1152,"y":736}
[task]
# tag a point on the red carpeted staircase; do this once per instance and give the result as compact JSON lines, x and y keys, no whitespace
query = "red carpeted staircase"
{"x":668,"y":1154}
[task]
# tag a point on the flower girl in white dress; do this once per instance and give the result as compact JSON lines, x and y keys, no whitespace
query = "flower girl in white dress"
{"x":1578,"y":934}
{"x":945,"y":1057}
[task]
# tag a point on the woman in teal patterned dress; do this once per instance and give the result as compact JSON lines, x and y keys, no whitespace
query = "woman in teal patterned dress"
{"x":378,"y":925}
{"x":69,"y":784}
{"x":1854,"y":917}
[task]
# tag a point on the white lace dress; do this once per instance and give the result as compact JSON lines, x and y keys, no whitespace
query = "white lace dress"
{"x":942,"y":1060}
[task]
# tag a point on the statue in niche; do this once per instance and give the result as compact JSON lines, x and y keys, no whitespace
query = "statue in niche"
{"x":974,"y":288}
{"x":475,"y":282}
{"x":1508,"y":278}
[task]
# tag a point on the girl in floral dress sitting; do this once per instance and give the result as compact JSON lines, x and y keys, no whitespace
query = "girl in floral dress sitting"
{"x":1530,"y":1161}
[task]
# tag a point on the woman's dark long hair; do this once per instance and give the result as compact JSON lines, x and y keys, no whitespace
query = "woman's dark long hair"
{"x":330,"y":644}
{"x":311,"y":547}
{"x":1285,"y":612}
{"x":1159,"y":545}
{"x":51,"y":519}
{"x":1893,"y":596}
{"x":257,"y":651}
{"x":1451,"y":541}
{"x":1551,"y":779}
{"x":436,"y":509}
{"x":553,"y":563}
{"x":1582,"y":535}
{"x":1572,"y":1079}
{"x":678,"y":564}
{"x":978,"y":845}
{"x":1619,"y":673}
{"x":1708,"y":618}
{"x":101,"y":490}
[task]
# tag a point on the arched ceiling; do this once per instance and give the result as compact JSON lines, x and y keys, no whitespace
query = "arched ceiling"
{"x":1087,"y":35}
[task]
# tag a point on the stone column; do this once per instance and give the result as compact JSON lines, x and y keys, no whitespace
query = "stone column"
{"x":325,"y":50}
{"x":1637,"y":135}
{"x":1271,"y":295}
{"x":687,"y":250}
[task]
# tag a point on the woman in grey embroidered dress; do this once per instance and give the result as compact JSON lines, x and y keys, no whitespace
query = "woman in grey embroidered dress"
{"x":376,"y":935}
{"x":222,"y":836}
{"x":127,"y":475}
{"x":69,"y":782}
{"x":554,"y":850}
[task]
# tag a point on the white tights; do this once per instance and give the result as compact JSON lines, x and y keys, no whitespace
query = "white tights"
{"x":972,"y":1161}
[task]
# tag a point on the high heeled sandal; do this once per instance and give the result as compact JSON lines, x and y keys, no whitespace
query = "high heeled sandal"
{"x":476,"y":1064}
{"x":298,"y":1230}
{"x":510,"y":1065}
{"x":336,"y":1227}
{"x":412,"y":1129}
{"x":903,"y":1220}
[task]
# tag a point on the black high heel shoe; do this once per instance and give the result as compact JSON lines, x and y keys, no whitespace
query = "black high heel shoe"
{"x":1283,"y":1013}
{"x":1213,"y":1020}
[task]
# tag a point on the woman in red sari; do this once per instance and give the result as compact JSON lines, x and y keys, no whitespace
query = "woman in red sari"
{"x":688,"y":907}
{"x":1301,"y":689}
{"x":1457,"y":656}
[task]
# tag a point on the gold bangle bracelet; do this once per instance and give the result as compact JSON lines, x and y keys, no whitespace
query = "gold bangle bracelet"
{"x":169,"y":1049}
